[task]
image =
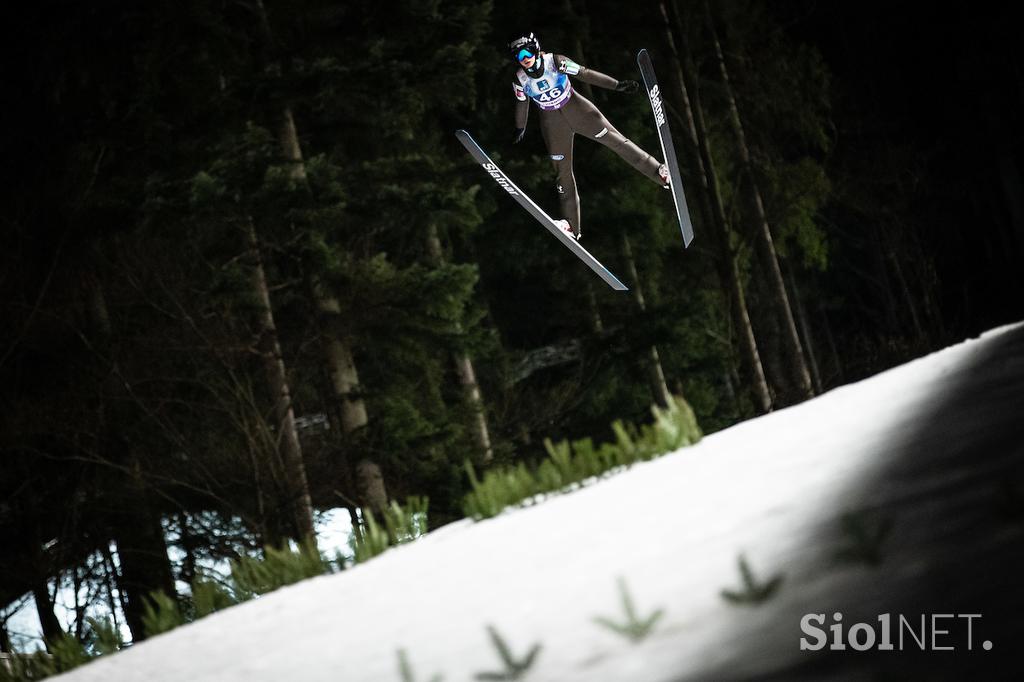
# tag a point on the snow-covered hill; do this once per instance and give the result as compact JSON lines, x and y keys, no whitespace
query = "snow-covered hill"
{"x":931,"y":451}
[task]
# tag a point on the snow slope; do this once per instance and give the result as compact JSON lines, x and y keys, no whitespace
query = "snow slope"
{"x":933,"y":447}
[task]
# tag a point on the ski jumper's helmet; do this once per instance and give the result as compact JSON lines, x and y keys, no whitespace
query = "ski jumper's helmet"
{"x":527,"y":44}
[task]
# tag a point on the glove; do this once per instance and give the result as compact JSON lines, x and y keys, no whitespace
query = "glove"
{"x":518,"y":137}
{"x":627,"y":86}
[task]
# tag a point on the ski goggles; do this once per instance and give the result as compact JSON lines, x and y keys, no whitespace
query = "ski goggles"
{"x":524,"y":54}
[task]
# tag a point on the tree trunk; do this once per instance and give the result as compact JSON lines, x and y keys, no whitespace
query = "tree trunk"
{"x":467,"y":377}
{"x":777,"y":299}
{"x":52,"y":631}
{"x":464,"y":364}
{"x":109,"y":578}
{"x":805,"y":331}
{"x":76,"y":582}
{"x":830,"y":338}
{"x":655,"y":373}
{"x":5,"y":639}
{"x":284,"y":416}
{"x":769,"y":338}
{"x":188,"y":547}
{"x":908,"y":298}
{"x":370,"y":480}
{"x":344,"y":376}
{"x":288,"y":447}
{"x":135,"y":525}
{"x":729,"y":384}
{"x":341,"y":364}
{"x":714,"y":212}
{"x":884,"y":288}
{"x":141,"y":552}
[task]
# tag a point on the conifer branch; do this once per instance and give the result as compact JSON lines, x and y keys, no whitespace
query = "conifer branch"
{"x":865,"y":537}
{"x":405,"y":669}
{"x":634,"y":628}
{"x":752,"y":592}
{"x":514,"y":669}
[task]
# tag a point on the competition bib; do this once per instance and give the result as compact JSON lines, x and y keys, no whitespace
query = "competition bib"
{"x":551,"y":91}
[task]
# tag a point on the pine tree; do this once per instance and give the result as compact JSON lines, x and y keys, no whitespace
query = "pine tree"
{"x":716,"y":222}
{"x":798,"y":376}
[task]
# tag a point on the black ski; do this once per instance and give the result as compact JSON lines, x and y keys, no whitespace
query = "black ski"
{"x":536,"y":211}
{"x":643,"y":59}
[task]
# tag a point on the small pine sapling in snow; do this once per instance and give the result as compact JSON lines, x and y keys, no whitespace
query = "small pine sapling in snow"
{"x":161,"y":613}
{"x":209,"y":596}
{"x":374,"y":539}
{"x":65,"y":653}
{"x":634,"y":628}
{"x":68,"y":653}
{"x":753,"y":592}
{"x":21,"y":667}
{"x":865,"y":536}
{"x":407,"y":523}
{"x":499,"y":489}
{"x":106,"y":639}
{"x":401,"y":525}
{"x":514,"y":669}
{"x":675,"y":426}
{"x":405,"y":669}
{"x":482,"y":501}
{"x":569,"y":465}
{"x":277,"y":568}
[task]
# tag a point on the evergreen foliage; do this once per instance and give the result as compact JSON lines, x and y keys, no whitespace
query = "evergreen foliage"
{"x":133,"y":356}
{"x":209,"y":596}
{"x":401,"y":525}
{"x":514,"y":667}
{"x":634,"y":628}
{"x":106,"y":638}
{"x":406,"y":671}
{"x":254,"y":576}
{"x":570,"y":465}
{"x":753,"y":592}
{"x":35,"y":666}
{"x":249,"y":578}
{"x":66,"y":653}
{"x":864,"y":534}
{"x":373,"y":541}
{"x":162,"y":614}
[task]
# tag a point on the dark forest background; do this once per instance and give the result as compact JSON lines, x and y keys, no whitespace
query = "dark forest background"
{"x":248,"y":274}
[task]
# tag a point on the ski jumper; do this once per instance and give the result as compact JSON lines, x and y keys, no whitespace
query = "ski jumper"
{"x":564,"y":112}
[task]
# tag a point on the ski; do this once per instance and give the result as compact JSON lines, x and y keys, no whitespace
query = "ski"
{"x":536,"y":211}
{"x":643,"y":59}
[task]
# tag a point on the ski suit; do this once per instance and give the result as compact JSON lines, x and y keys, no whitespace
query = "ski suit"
{"x":564,"y":112}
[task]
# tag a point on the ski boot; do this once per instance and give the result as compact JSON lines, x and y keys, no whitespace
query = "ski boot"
{"x":564,"y":226}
